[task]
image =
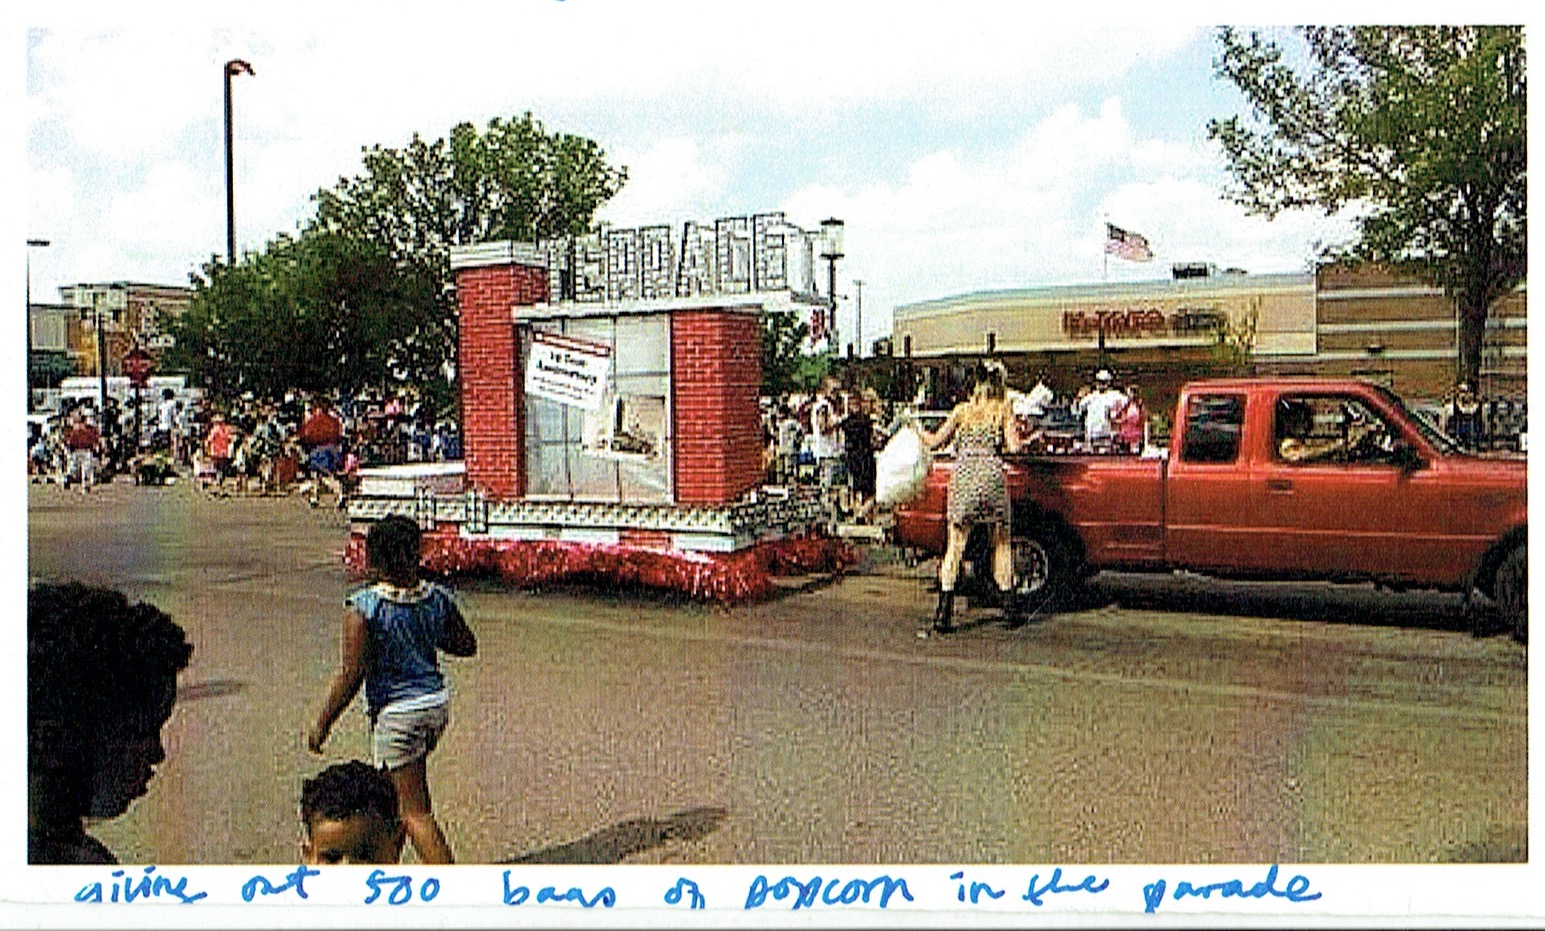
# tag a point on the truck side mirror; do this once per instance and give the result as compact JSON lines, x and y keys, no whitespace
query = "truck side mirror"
{"x":1405,"y":457}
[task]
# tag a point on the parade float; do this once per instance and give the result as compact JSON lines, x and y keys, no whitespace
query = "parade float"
{"x":611,"y":424}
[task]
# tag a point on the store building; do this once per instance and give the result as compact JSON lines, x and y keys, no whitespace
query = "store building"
{"x":131,"y":313}
{"x":1368,"y":323}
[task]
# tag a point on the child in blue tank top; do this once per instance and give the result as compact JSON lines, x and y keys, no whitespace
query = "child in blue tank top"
{"x":393,"y":631}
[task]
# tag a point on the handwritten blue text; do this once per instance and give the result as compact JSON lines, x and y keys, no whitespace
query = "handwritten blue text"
{"x":401,"y":891}
{"x":519,"y":895}
{"x":260,"y":885}
{"x":1296,"y":890}
{"x":809,"y":894}
{"x":147,"y":887}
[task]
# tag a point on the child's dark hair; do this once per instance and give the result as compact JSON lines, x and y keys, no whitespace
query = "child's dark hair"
{"x":392,"y":547}
{"x":346,"y":789}
{"x":92,"y":658}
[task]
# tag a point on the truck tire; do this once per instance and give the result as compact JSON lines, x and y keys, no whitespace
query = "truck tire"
{"x":1045,"y":578}
{"x":1511,"y":590}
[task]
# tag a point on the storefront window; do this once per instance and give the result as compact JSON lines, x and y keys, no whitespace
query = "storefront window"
{"x":619,"y":451}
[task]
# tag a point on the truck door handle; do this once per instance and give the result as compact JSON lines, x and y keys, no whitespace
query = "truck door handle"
{"x":1278,"y":484}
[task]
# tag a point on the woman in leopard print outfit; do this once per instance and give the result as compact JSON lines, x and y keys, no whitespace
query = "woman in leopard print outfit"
{"x":983,"y":428}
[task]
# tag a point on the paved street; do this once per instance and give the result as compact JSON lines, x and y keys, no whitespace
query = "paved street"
{"x":1176,"y":721}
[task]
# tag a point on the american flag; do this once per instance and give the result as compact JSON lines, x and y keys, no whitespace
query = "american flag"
{"x":1129,"y":246}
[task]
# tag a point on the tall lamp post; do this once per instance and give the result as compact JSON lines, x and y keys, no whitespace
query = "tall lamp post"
{"x":232,"y":68}
{"x":31,"y":244}
{"x":858,"y":315}
{"x":96,"y":317}
{"x":831,"y":251}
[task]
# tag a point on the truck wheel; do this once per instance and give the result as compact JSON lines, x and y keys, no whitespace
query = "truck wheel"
{"x":1512,"y":592}
{"x":1044,"y":579}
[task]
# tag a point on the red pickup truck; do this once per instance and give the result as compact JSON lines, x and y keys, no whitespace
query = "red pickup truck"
{"x":1265,"y":478}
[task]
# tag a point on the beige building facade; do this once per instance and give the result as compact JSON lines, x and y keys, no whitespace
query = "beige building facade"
{"x":1372,"y":324}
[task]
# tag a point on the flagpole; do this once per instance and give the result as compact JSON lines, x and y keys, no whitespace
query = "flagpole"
{"x":1105,"y":253}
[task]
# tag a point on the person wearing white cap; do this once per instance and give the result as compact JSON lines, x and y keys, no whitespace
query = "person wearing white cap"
{"x":1095,"y":408}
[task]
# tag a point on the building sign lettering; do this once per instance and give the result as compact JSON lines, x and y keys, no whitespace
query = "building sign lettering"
{"x":731,"y":255}
{"x":1141,"y":322}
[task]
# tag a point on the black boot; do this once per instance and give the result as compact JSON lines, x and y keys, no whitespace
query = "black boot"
{"x":988,"y":599}
{"x":942,"y":622}
{"x":1013,"y":609}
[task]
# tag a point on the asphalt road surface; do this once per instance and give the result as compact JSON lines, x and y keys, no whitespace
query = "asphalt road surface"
{"x":1176,"y":721}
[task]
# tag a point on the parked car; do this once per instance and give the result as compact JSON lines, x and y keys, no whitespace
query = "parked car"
{"x":1384,"y":498}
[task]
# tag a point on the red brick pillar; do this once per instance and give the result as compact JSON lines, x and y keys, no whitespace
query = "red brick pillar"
{"x":491,"y":281}
{"x":716,"y":378}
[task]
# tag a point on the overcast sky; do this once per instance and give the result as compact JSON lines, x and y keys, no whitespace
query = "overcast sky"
{"x":967,"y":146}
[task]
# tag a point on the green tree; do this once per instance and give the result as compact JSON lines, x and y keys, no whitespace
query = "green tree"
{"x":1421,"y":130}
{"x":363,"y":295}
{"x":318,"y":312}
{"x":783,"y":338}
{"x":515,"y":180}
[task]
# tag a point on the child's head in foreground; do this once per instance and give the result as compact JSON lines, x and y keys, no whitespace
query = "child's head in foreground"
{"x":392,"y":548}
{"x":349,"y":814}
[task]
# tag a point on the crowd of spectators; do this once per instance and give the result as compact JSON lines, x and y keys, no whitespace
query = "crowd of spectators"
{"x":829,"y":437}
{"x":300,"y":443}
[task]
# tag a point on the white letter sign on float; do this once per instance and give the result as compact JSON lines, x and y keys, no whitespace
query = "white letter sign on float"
{"x":568,"y":371}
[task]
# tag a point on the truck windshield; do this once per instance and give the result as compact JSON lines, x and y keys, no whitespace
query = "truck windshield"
{"x":1445,"y":443}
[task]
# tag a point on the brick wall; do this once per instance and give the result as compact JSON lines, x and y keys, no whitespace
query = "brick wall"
{"x":644,"y":539}
{"x":486,"y":297}
{"x":716,"y":362}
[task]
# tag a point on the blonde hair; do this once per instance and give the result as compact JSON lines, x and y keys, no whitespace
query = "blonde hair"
{"x":981,"y":409}
{"x":991,"y":382}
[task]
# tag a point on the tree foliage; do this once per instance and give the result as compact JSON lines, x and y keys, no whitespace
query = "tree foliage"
{"x":318,"y":312}
{"x":513,"y":181}
{"x":364,"y":295}
{"x":783,"y":339}
{"x":1421,"y":130}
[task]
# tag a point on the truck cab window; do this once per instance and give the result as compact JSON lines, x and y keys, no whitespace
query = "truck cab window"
{"x":1330,"y":428}
{"x":1213,"y":422}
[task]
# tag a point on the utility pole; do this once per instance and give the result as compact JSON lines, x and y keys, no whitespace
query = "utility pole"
{"x":31,"y":244}
{"x":233,"y":67}
{"x":858,"y":313}
{"x":831,"y":251}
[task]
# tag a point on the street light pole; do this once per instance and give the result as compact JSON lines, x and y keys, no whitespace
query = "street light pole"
{"x":96,"y":322}
{"x":233,"y":67}
{"x":831,"y":251}
{"x":31,"y":244}
{"x":858,"y":314}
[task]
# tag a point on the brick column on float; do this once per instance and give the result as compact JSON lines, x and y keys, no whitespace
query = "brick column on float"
{"x":492,"y":406}
{"x":716,"y":378}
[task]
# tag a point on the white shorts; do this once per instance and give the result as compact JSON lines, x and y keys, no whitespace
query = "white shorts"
{"x":406,"y":731}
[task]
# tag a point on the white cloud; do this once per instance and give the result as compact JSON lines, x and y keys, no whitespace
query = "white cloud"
{"x":157,"y":237}
{"x":1033,"y":214}
{"x":125,"y":124}
{"x":673,"y":179}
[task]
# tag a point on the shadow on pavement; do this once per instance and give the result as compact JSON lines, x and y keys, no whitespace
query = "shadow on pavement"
{"x":209,"y":688}
{"x":1305,"y":601}
{"x":620,"y":841}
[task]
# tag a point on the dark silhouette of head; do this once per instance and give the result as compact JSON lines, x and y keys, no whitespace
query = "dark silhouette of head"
{"x":392,"y":548}
{"x":101,"y":681}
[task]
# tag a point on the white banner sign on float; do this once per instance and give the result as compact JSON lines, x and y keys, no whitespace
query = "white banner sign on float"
{"x":569,"y":371}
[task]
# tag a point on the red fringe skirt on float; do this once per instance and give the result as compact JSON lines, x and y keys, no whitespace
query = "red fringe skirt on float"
{"x":745,"y":575}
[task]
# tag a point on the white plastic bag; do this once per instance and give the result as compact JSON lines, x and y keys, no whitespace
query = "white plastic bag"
{"x":902,"y":467}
